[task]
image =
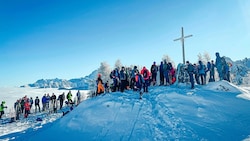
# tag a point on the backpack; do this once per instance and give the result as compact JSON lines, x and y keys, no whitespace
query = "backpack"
{"x":154,"y":69}
{"x":37,"y":101}
{"x":190,"y":68}
{"x":139,"y":79}
{"x":111,"y":75}
{"x":31,"y":101}
{"x":145,"y":73}
{"x":123,"y":75}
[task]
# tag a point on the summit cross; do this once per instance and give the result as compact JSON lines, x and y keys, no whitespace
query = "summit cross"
{"x":182,"y":38}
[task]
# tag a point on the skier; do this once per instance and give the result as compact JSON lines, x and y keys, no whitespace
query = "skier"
{"x":190,"y":70}
{"x":145,"y":74}
{"x":2,"y":108}
{"x":154,"y":70}
{"x":37,"y":104}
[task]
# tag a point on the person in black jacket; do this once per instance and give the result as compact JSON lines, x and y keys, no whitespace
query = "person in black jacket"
{"x":190,"y":70}
{"x":154,"y":70}
{"x":37,"y":104}
{"x":61,"y":99}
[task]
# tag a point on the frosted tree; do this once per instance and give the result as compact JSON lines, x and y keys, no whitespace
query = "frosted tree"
{"x":167,"y":58}
{"x":200,"y":58}
{"x":238,"y":72}
{"x":207,"y":57}
{"x":104,"y":70}
{"x":118,"y":64}
{"x":246,"y":62}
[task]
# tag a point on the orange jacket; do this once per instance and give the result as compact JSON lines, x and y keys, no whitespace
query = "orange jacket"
{"x":100,"y":88}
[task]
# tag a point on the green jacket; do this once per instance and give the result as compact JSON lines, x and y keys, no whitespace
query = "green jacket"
{"x":69,"y":96}
{"x":2,"y":107}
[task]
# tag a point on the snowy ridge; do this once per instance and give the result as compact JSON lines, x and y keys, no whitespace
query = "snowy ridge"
{"x":77,"y":83}
{"x":211,"y":112}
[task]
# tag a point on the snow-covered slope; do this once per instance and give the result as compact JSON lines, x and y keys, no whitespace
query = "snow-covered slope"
{"x":216,"y":111}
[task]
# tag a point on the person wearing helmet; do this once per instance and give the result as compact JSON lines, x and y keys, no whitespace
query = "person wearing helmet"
{"x":2,"y":108}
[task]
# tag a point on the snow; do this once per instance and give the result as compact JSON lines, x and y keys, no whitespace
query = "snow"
{"x":216,"y":111}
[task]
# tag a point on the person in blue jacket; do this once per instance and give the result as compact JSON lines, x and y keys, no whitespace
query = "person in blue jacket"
{"x":201,"y":69}
{"x":139,"y":81}
{"x":44,"y":99}
{"x":218,"y":65}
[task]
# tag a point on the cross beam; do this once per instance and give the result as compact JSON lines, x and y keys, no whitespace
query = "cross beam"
{"x":182,"y":41}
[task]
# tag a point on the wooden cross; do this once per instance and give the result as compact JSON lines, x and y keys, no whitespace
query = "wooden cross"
{"x":182,"y":41}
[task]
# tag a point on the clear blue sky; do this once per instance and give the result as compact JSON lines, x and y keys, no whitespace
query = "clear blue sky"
{"x":69,"y":39}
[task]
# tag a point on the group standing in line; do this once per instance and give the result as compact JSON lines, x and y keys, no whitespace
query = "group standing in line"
{"x":49,"y":104}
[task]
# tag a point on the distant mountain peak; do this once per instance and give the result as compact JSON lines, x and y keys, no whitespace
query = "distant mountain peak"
{"x":75,"y":83}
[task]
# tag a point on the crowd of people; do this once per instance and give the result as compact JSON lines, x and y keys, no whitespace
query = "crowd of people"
{"x":132,"y":78}
{"x":50,"y":104}
{"x":137,"y":80}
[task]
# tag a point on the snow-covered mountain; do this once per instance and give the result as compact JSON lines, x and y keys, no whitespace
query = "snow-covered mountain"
{"x":216,"y":111}
{"x":77,"y":83}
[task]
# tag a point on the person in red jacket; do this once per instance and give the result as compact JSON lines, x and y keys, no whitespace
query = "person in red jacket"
{"x":145,"y":74}
{"x":26,"y":108}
